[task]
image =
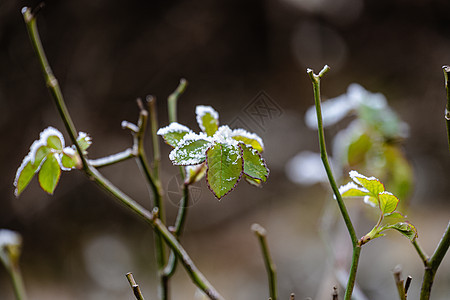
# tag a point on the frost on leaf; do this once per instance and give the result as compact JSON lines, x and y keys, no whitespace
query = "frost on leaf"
{"x":84,"y":140}
{"x":224,"y":168}
{"x":254,"y":165}
{"x":250,"y":139}
{"x":191,"y":150}
{"x":48,"y":156}
{"x":207,"y":119}
{"x":173,"y":133}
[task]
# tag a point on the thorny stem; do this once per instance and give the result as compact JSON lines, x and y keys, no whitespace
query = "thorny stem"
{"x":324,"y":156}
{"x":151,"y":218}
{"x":135,"y":287}
{"x":270,"y":266}
{"x":433,"y":264}
{"x":447,"y":107}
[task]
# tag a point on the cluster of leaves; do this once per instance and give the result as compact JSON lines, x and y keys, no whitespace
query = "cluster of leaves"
{"x":224,"y":155}
{"x":369,"y":143}
{"x":375,"y":195}
{"x":48,"y":156}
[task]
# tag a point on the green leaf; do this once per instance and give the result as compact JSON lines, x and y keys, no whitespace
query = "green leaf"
{"x":49,"y":174}
{"x":84,"y":140}
{"x":54,"y":142}
{"x":40,"y":154}
{"x":68,"y":162}
{"x":174,"y":133}
{"x":372,"y":184}
{"x":191,"y":152}
{"x":250,"y":139}
{"x":207,"y":118}
{"x":352,"y":190}
{"x":225,"y":168}
{"x":407,"y":229}
{"x":358,"y":149}
{"x":388,"y":202}
{"x":24,"y":175}
{"x":254,"y":165}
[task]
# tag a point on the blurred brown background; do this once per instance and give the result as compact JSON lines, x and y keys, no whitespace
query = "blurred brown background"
{"x":78,"y":244}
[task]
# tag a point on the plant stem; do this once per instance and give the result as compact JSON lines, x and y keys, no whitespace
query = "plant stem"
{"x":151,"y":218}
{"x":399,"y":283}
{"x":173,"y":99}
{"x":433,"y":264}
{"x":270,"y":266}
{"x":324,"y":156}
{"x":153,"y":180}
{"x":135,"y":287}
{"x":50,"y":79}
{"x":421,"y":253}
{"x":447,"y":107}
{"x":112,"y":159}
{"x":17,"y":281}
{"x":155,"y":139}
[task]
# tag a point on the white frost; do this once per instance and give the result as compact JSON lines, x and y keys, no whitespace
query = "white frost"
{"x":224,"y":136}
{"x":172,"y":127}
{"x":349,"y":186}
{"x":367,"y":201}
{"x":306,"y":168}
{"x":355,"y":175}
{"x":249,"y":135}
{"x":50,"y":131}
{"x":201,"y":111}
{"x":9,"y":238}
{"x":335,"y":109}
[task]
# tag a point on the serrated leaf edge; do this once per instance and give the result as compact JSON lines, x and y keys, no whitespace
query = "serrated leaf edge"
{"x":234,"y":186}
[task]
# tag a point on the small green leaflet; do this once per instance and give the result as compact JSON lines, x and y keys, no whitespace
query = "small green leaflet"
{"x":190,"y":152}
{"x":374,"y":194}
{"x":254,"y":165}
{"x":26,"y":174}
{"x":207,"y":119}
{"x":48,"y":156}
{"x":49,"y":174}
{"x":174,"y":133}
{"x":405,"y":228}
{"x":388,"y":202}
{"x":224,"y":170}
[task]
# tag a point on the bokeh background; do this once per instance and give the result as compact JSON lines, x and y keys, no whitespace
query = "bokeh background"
{"x":78,"y":243}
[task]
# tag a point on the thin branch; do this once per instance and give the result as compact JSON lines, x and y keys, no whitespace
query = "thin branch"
{"x":446,"y":70}
{"x":324,"y":156}
{"x":335,"y":293}
{"x":135,"y":287}
{"x":270,"y":266}
{"x":421,"y":253}
{"x":112,"y":159}
{"x":151,"y":218}
{"x":173,"y":99}
{"x":434,"y":263}
{"x":399,"y":283}
{"x":151,"y":101}
{"x":17,"y":282}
